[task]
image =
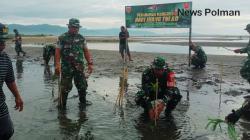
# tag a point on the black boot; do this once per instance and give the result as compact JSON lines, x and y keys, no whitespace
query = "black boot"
{"x":172,"y":104}
{"x":82,"y":99}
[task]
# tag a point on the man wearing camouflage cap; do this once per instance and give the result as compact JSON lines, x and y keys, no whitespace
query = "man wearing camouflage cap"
{"x":7,"y":76}
{"x":167,"y":91}
{"x":72,"y":46}
{"x":245,"y":73}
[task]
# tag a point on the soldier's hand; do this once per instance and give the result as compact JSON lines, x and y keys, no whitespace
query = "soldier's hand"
{"x":19,"y":103}
{"x":90,"y":69}
{"x":232,"y":117}
{"x":237,"y":51}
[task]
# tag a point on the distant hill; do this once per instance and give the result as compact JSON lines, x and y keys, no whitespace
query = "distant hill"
{"x":46,"y":29}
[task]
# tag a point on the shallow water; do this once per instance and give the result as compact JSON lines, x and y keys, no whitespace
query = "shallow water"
{"x":161,"y":48}
{"x":156,"y":48}
{"x":41,"y":119}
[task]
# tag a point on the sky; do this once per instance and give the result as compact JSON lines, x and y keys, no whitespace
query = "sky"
{"x":103,"y":14}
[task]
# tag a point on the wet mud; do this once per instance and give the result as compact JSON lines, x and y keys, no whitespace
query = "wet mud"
{"x":209,"y":93}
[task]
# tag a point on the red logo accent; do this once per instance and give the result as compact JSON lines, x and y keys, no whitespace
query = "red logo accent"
{"x":186,"y":5}
{"x":128,"y":9}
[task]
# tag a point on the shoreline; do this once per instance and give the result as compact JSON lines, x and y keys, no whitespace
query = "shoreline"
{"x":213,"y":42}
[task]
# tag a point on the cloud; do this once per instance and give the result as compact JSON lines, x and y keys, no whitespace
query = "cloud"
{"x":110,"y":13}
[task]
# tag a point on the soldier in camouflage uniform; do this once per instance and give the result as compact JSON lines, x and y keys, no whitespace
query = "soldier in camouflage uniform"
{"x":72,"y":46}
{"x":199,"y":58}
{"x":245,"y":70}
{"x":169,"y":94}
{"x":18,"y":43}
{"x":48,"y":51}
{"x":245,"y":73}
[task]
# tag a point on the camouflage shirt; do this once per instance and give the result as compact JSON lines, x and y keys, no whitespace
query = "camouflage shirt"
{"x":149,"y":80}
{"x":71,"y":48}
{"x":200,"y":53}
{"x":246,"y":49}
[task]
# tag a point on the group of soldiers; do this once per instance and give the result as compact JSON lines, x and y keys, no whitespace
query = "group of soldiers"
{"x":159,"y":73}
{"x":158,"y":81}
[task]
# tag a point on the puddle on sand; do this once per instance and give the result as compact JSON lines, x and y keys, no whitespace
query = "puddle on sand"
{"x":41,"y":120}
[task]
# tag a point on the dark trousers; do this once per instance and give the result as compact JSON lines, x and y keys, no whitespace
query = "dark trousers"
{"x":6,"y":128}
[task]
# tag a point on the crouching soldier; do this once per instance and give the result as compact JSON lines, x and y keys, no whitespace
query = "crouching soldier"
{"x":199,"y":58}
{"x":48,"y":51}
{"x":158,"y":82}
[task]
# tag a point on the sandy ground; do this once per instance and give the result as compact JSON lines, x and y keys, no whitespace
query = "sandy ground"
{"x":109,"y":62}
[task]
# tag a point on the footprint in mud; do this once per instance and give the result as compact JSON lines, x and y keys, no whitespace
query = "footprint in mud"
{"x":197,"y":85}
{"x":226,"y":101}
{"x":233,"y":93}
{"x":183,"y":121}
{"x":181,"y":79}
{"x":209,"y":82}
{"x":139,"y":68}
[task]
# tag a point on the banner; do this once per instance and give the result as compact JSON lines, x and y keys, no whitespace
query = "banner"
{"x":159,"y":15}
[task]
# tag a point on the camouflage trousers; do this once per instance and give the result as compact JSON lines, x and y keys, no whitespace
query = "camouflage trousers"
{"x":47,"y":53}
{"x":66,"y":84}
{"x":197,"y":62}
{"x":171,"y":98}
{"x":18,"y":49}
{"x":245,"y":70}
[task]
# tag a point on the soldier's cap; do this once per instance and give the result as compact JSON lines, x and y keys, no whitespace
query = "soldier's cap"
{"x":159,"y":62}
{"x":3,"y":32}
{"x":247,"y":27}
{"x":74,"y":22}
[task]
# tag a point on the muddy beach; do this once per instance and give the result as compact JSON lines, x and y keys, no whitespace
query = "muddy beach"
{"x":209,"y":93}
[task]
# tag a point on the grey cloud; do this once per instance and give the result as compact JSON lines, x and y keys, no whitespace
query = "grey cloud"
{"x":53,"y":10}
